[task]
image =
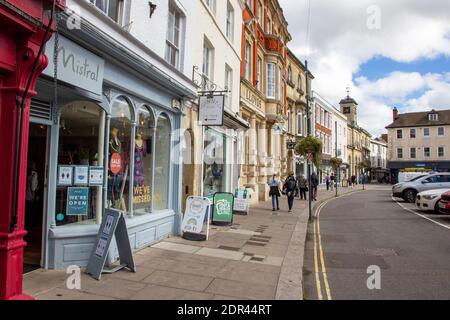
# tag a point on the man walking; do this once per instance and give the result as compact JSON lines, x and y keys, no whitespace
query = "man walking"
{"x":289,"y":189}
{"x":328,"y":181}
{"x":302,"y":185}
{"x":314,"y":185}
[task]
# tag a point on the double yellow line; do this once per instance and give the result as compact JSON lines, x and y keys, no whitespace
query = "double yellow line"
{"x":319,"y":258}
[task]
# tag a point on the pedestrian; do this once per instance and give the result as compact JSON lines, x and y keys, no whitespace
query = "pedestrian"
{"x":303,"y":187}
{"x":362,"y":178}
{"x":314,"y":184}
{"x":353,"y":179}
{"x":274,"y":185}
{"x":328,"y":182}
{"x":333,"y":181}
{"x":289,"y":187}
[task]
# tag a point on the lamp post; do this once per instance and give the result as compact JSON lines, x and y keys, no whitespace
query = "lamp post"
{"x":308,"y":122}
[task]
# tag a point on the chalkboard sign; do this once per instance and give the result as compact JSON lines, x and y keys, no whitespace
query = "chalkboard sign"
{"x":113,"y":225}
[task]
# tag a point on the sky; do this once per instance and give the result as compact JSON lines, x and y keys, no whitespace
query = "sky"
{"x":389,"y":53}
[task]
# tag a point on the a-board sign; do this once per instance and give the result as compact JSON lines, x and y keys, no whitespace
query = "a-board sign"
{"x":241,"y":199}
{"x":211,"y":109}
{"x":196,"y":209}
{"x":223,"y":209}
{"x":113,"y":225}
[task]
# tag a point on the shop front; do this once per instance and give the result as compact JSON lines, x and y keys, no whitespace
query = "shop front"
{"x":111,"y":141}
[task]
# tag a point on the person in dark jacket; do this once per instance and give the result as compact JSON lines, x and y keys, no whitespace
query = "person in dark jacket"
{"x":314,"y":185}
{"x":289,"y":187}
{"x":302,"y":185}
{"x":274,"y":185}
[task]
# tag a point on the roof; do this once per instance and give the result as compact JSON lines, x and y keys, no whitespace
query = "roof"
{"x":348,"y":100}
{"x":420,"y":119}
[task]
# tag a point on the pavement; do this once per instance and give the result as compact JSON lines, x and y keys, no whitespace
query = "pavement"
{"x":367,"y":246}
{"x":260,"y":257}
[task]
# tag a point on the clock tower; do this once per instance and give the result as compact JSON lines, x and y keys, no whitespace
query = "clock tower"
{"x":349,"y":107}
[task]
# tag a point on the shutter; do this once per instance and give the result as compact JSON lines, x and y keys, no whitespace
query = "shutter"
{"x":40,"y":110}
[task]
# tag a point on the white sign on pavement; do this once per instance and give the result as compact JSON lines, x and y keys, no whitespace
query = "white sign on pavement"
{"x":241,"y":199}
{"x":211,"y":110}
{"x":196,"y":208}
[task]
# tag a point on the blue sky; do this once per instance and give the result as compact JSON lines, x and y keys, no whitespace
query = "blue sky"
{"x":381,"y":67}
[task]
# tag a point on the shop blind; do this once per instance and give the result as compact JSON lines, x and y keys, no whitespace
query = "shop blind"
{"x":40,"y":110}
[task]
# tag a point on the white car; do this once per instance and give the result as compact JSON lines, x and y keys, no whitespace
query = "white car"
{"x":429,"y":200}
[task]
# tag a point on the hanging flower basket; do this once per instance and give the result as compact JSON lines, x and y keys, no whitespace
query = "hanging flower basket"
{"x":313,"y":146}
{"x":336,"y":163}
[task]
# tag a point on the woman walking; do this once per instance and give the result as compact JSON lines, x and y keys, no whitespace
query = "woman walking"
{"x":274,"y":185}
{"x":303,"y":187}
{"x":289,"y":189}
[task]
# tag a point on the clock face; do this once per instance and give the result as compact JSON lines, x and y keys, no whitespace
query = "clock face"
{"x":347,"y":110}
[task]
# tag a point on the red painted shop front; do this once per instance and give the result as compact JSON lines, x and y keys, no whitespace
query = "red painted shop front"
{"x":24,"y":29}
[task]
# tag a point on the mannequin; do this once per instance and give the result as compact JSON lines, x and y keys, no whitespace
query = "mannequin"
{"x":139,"y":161}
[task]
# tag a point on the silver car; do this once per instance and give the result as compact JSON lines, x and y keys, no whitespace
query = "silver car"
{"x":409,"y":190}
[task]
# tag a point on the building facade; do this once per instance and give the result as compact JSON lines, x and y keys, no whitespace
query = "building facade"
{"x":295,"y":127}
{"x":358,"y":139}
{"x":263,"y":95}
{"x":324,"y":130}
{"x":119,"y":123}
{"x":339,"y":140}
{"x":378,"y":160}
{"x":419,"y":141}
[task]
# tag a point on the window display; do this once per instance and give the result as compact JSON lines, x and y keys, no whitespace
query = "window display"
{"x":162,"y":163}
{"x":81,"y":145}
{"x":214,"y":170}
{"x":119,"y":155}
{"x":143,"y":163}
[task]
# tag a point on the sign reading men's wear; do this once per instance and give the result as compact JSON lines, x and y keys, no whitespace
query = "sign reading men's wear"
{"x":223,"y":209}
{"x":113,"y":225}
{"x":77,"y":201}
{"x":76,"y":65}
{"x":211,"y":109}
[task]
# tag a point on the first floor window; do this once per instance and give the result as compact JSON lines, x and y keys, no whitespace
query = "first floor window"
{"x":426,"y":152}
{"x":248,"y":60}
{"x":259,"y":75}
{"x":441,"y":152}
{"x":271,"y":73}
{"x":441,"y":131}
{"x":412,"y":133}
{"x":174,"y":36}
{"x":413,"y":153}
{"x":426,"y":132}
{"x":399,"y":134}
{"x":228,"y":86}
{"x":112,"y":8}
{"x":299,"y":123}
{"x":400,"y":153}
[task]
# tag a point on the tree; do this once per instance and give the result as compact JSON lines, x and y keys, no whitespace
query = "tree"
{"x":313,"y":146}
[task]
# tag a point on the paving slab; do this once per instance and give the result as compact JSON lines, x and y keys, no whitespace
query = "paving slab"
{"x":179,"y":280}
{"x":155,"y":292}
{"x":242,"y":290}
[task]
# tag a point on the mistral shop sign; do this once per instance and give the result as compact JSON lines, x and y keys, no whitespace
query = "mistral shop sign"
{"x":76,"y":65}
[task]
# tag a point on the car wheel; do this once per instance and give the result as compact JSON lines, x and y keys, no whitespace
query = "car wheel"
{"x":410,"y":196}
{"x":436,"y":208}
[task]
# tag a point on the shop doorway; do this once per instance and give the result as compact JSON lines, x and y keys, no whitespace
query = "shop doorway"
{"x":35,"y":196}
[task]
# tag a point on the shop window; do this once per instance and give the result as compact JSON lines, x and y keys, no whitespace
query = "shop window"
{"x":80,"y":154}
{"x":143,"y":162}
{"x":214,"y":170}
{"x":119,"y":155}
{"x":162,"y":163}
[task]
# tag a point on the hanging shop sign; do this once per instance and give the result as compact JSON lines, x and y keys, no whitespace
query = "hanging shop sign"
{"x":96,"y":175}
{"x":81,"y":175}
{"x":115,"y":165}
{"x":291,"y":145}
{"x":65,"y":175}
{"x":196,"y":210}
{"x":113,"y":225}
{"x":77,"y":202}
{"x":223,"y":209}
{"x":76,"y":65}
{"x":277,"y":129}
{"x":211,"y":110}
{"x":241,"y":199}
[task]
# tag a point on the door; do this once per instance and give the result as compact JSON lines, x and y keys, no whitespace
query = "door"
{"x":35,"y":196}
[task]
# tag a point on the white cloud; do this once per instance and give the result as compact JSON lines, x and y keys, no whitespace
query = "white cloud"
{"x":340,"y":43}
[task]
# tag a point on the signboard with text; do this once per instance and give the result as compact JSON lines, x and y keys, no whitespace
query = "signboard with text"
{"x":196,"y":209}
{"x":241,"y":199}
{"x":77,"y":201}
{"x":211,"y":109}
{"x":223,"y":208}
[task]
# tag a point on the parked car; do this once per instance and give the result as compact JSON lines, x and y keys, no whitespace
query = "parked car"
{"x":429,"y":200}
{"x":444,"y":204}
{"x":409,"y":190}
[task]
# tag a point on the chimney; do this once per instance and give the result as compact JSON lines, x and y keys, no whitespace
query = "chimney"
{"x":395,"y":113}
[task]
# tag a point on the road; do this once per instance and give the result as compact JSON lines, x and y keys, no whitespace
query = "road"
{"x":408,"y":253}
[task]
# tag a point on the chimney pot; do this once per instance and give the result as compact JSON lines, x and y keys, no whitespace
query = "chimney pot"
{"x":395,"y":113}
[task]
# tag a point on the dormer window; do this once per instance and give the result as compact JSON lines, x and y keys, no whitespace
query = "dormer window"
{"x":433,"y":116}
